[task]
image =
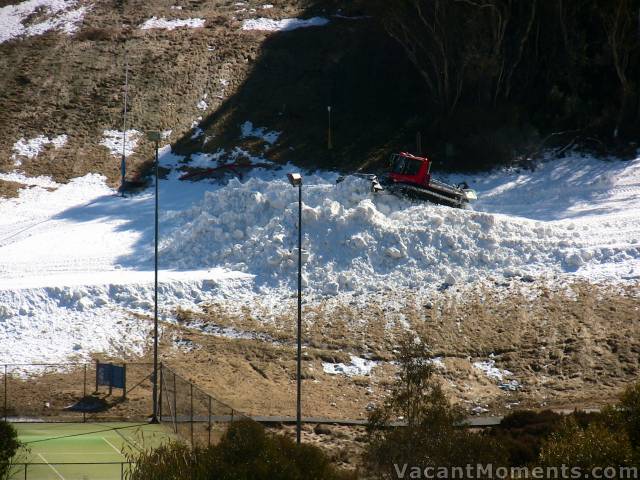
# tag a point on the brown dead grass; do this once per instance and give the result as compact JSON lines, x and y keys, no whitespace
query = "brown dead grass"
{"x":9,"y":189}
{"x":571,"y":347}
{"x":575,"y":347}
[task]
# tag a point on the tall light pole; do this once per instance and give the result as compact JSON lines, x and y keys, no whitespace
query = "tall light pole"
{"x":329,"y":139}
{"x":155,"y":137}
{"x":296,"y":180}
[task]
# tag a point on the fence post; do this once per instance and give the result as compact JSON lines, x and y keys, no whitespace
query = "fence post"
{"x":124,"y":381}
{"x":191,"y":413}
{"x":97,"y":368}
{"x":160,"y":395}
{"x":84,"y":393}
{"x":5,"y":392}
{"x":175,"y":403}
{"x":26,"y":465}
{"x":209,"y":439}
{"x":121,"y":471}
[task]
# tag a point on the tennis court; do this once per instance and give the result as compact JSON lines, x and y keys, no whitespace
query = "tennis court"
{"x":87,"y":451}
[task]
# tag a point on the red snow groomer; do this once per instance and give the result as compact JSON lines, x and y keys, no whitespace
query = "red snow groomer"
{"x":410,"y":175}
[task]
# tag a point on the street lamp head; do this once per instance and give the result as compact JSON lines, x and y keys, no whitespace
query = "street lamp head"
{"x":295,"y":179}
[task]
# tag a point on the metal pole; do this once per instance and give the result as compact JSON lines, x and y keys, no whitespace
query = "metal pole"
{"x":5,"y":393}
{"x":84,"y":392}
{"x":209,"y":439}
{"x":155,"y":316}
{"x":175,"y":403}
{"x":329,"y":140}
{"x":299,"y":373}
{"x":124,"y":381}
{"x":123,"y":166}
{"x":160,"y":393}
{"x":191,"y":413}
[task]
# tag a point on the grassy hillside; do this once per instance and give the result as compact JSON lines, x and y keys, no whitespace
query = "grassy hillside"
{"x":57,"y":84}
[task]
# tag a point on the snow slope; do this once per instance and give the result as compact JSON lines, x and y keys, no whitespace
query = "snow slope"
{"x":75,"y":261}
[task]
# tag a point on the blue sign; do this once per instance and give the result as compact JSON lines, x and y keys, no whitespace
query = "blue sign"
{"x":110,"y":375}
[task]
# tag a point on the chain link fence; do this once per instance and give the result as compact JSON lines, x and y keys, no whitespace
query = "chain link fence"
{"x":192,"y":414}
{"x":68,"y":392}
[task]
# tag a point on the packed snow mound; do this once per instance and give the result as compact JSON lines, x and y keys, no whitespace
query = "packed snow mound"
{"x":361,"y":242}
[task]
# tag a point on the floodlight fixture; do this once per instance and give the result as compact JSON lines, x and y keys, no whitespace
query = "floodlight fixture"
{"x":295,"y":179}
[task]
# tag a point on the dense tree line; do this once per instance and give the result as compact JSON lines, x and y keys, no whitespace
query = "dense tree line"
{"x":540,"y":64}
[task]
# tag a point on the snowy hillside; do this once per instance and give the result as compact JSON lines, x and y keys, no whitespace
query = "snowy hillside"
{"x":76,"y":259}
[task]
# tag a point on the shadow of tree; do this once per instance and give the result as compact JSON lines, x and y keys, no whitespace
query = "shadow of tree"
{"x":349,"y":64}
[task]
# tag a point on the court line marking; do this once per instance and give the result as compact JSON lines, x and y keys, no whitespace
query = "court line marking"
{"x":52,"y":467}
{"x":112,"y":445}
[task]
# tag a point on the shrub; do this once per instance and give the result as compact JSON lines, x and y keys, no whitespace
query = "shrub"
{"x":630,"y":413}
{"x":432,"y":436}
{"x":245,"y":452}
{"x":9,"y":445}
{"x":521,"y":434}
{"x":586,"y":448}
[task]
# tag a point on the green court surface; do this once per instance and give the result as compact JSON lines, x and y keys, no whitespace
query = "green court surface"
{"x":100,"y":451}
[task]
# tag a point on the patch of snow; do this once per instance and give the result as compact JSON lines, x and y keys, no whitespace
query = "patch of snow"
{"x":249,"y":131}
{"x":357,"y":367}
{"x":286,"y":24}
{"x":202,"y":105}
{"x":32,"y":147}
{"x":267,"y":6}
{"x":488,"y":367}
{"x":197,"y":132}
{"x":163,"y":23}
{"x":113,"y":140}
{"x":56,"y":15}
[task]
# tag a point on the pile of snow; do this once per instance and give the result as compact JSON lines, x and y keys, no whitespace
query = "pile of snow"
{"x":356,"y":367}
{"x":52,"y":15}
{"x":356,"y":241}
{"x":81,"y":255}
{"x":249,"y":131}
{"x":114,"y":139}
{"x":32,"y":147}
{"x":163,"y":23}
{"x":286,"y":24}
